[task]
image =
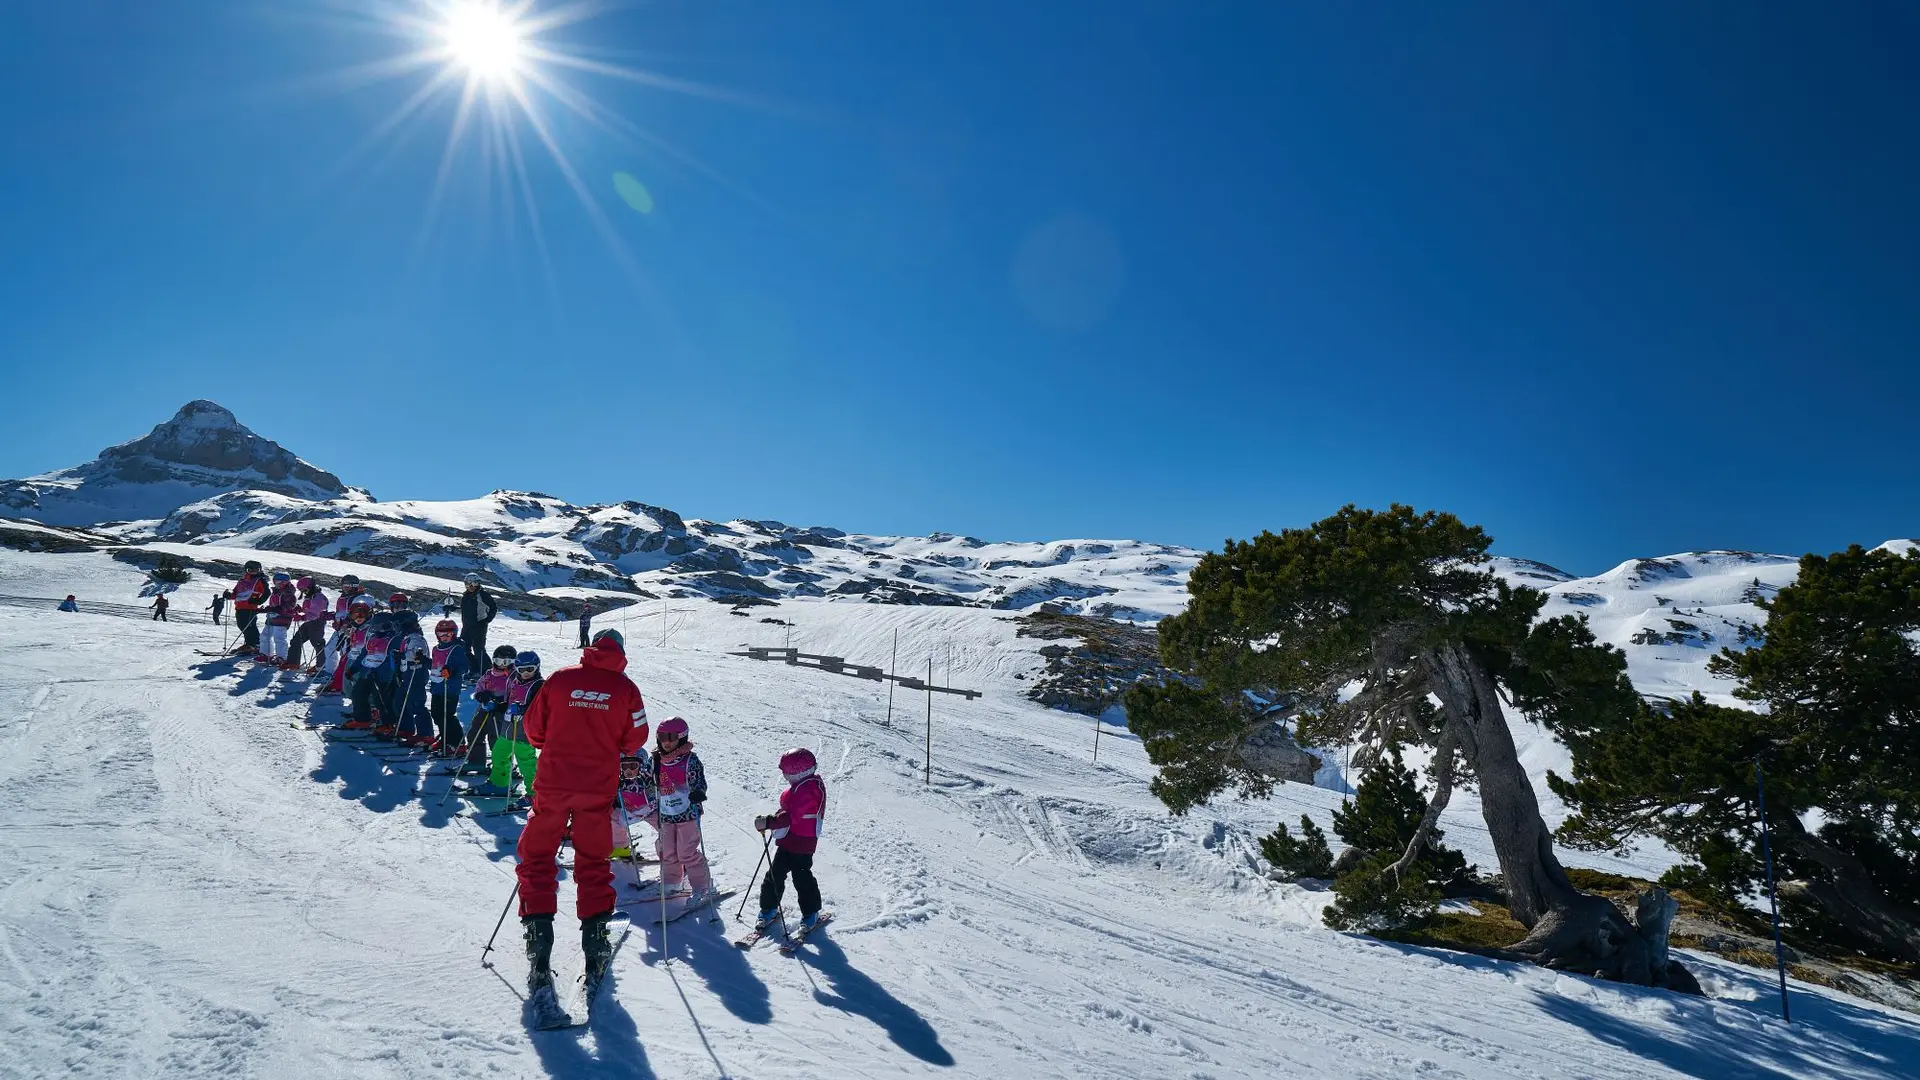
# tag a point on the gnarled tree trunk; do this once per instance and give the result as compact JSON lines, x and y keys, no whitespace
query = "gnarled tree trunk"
{"x":1566,"y":928}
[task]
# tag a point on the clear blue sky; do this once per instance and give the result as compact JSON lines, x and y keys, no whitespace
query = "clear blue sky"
{"x":1611,"y":280}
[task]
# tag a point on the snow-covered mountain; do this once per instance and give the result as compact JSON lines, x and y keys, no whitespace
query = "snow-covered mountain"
{"x":203,"y":451}
{"x":204,"y":479}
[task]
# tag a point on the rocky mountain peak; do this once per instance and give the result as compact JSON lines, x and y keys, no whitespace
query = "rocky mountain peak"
{"x":206,"y":435}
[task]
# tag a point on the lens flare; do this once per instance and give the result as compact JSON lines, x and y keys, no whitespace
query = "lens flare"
{"x":485,"y":38}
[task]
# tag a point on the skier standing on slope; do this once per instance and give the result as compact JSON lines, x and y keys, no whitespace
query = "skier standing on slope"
{"x":338,"y":644}
{"x":314,"y":612}
{"x":446,"y":670}
{"x":587,"y":719}
{"x":477,"y":609}
{"x":512,"y":746}
{"x":218,"y":607}
{"x":348,"y":641}
{"x":280,"y":607}
{"x":636,"y":801}
{"x":248,"y":594}
{"x":680,"y":783}
{"x":408,"y":703}
{"x":586,"y":622}
{"x":159,"y":606}
{"x":796,"y":835}
{"x":370,"y":665}
{"x":490,"y":705}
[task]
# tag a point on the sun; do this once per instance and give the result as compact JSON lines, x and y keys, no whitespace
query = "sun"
{"x":485,"y":38}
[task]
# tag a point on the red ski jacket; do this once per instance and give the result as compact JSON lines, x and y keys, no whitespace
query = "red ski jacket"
{"x":584,"y":721}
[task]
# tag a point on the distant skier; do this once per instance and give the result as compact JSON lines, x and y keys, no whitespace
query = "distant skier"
{"x":69,"y":604}
{"x":680,"y":786}
{"x":159,"y":606}
{"x":586,"y":622}
{"x":315,"y":612}
{"x":248,"y":594}
{"x":584,"y":723}
{"x":446,"y":670}
{"x":490,"y":708}
{"x":796,"y":835}
{"x":281,"y":607}
{"x":218,"y":607}
{"x":477,"y":609}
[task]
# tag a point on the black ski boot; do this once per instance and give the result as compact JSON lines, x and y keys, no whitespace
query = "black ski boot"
{"x":597,"y":943}
{"x":539,"y":934}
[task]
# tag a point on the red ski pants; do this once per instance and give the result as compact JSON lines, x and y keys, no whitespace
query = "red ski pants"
{"x":583,"y":819}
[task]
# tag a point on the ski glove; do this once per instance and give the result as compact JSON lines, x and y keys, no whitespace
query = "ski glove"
{"x":760,"y":823}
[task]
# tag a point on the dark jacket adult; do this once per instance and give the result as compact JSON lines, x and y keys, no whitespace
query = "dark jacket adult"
{"x":477,"y":608}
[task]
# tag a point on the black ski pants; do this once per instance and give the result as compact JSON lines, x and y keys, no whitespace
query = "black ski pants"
{"x":249,"y":622}
{"x":485,"y":728}
{"x":475,"y":635}
{"x":775,"y":886}
{"x":159,"y":615}
{"x":314,"y":630}
{"x":445,"y":708}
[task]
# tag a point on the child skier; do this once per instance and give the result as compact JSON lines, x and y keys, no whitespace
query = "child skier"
{"x":680,"y":784}
{"x":372,"y":674}
{"x":513,"y":746}
{"x":636,"y":801}
{"x":314,"y":610}
{"x":490,"y":708}
{"x":796,"y":833}
{"x":348,"y":642}
{"x":412,"y":723}
{"x":446,"y":670}
{"x":248,"y":594}
{"x":350,"y":591}
{"x":281,"y":607}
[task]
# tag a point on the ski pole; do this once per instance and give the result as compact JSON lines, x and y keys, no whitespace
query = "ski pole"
{"x":765,"y":845}
{"x":482,"y":725}
{"x":503,"y":921}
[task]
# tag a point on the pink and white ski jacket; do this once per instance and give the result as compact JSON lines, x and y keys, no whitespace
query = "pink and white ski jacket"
{"x":282,"y":606}
{"x":803,"y":808}
{"x":315,"y":606}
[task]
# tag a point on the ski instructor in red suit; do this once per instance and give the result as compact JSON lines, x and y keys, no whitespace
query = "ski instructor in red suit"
{"x":583,"y":721}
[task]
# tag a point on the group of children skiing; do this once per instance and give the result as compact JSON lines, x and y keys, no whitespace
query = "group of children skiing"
{"x":399,"y":685}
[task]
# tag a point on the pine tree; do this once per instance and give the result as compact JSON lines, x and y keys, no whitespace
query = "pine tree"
{"x":1839,"y":673}
{"x":1384,"y":815}
{"x":1307,"y":857}
{"x":170,"y":570}
{"x":1400,"y":602}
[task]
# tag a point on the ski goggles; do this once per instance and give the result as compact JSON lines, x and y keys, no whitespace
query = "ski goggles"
{"x":445,"y":635}
{"x":526,"y":672}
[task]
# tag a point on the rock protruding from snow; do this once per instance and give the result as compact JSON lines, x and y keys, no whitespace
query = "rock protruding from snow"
{"x":202,"y":453}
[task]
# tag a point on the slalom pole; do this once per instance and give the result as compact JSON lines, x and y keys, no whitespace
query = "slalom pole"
{"x":508,"y":906}
{"x":892,"y":671}
{"x":764,"y":846}
{"x":1766,"y":845}
{"x":929,"y":720}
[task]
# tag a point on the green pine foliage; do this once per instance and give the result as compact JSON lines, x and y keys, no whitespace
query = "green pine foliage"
{"x":170,"y":570}
{"x":1384,"y":815}
{"x":1305,"y":857}
{"x":1371,"y":898}
{"x":1839,"y":676}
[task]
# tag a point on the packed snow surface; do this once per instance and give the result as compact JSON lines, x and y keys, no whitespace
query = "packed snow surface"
{"x":193,"y":887}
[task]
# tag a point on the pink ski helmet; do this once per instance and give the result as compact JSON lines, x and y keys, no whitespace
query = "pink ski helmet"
{"x":797,"y":762}
{"x":304,"y":584}
{"x":674,"y":726}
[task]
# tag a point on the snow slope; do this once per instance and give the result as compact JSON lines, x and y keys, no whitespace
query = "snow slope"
{"x":193,"y":888}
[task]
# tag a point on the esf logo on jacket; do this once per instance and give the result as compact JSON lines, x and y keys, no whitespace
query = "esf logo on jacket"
{"x":592,"y":699}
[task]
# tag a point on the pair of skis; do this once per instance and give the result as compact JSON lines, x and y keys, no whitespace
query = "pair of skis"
{"x":793,"y":938}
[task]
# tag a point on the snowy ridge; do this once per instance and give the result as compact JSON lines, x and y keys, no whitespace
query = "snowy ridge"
{"x":203,"y":451}
{"x":198,"y":889}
